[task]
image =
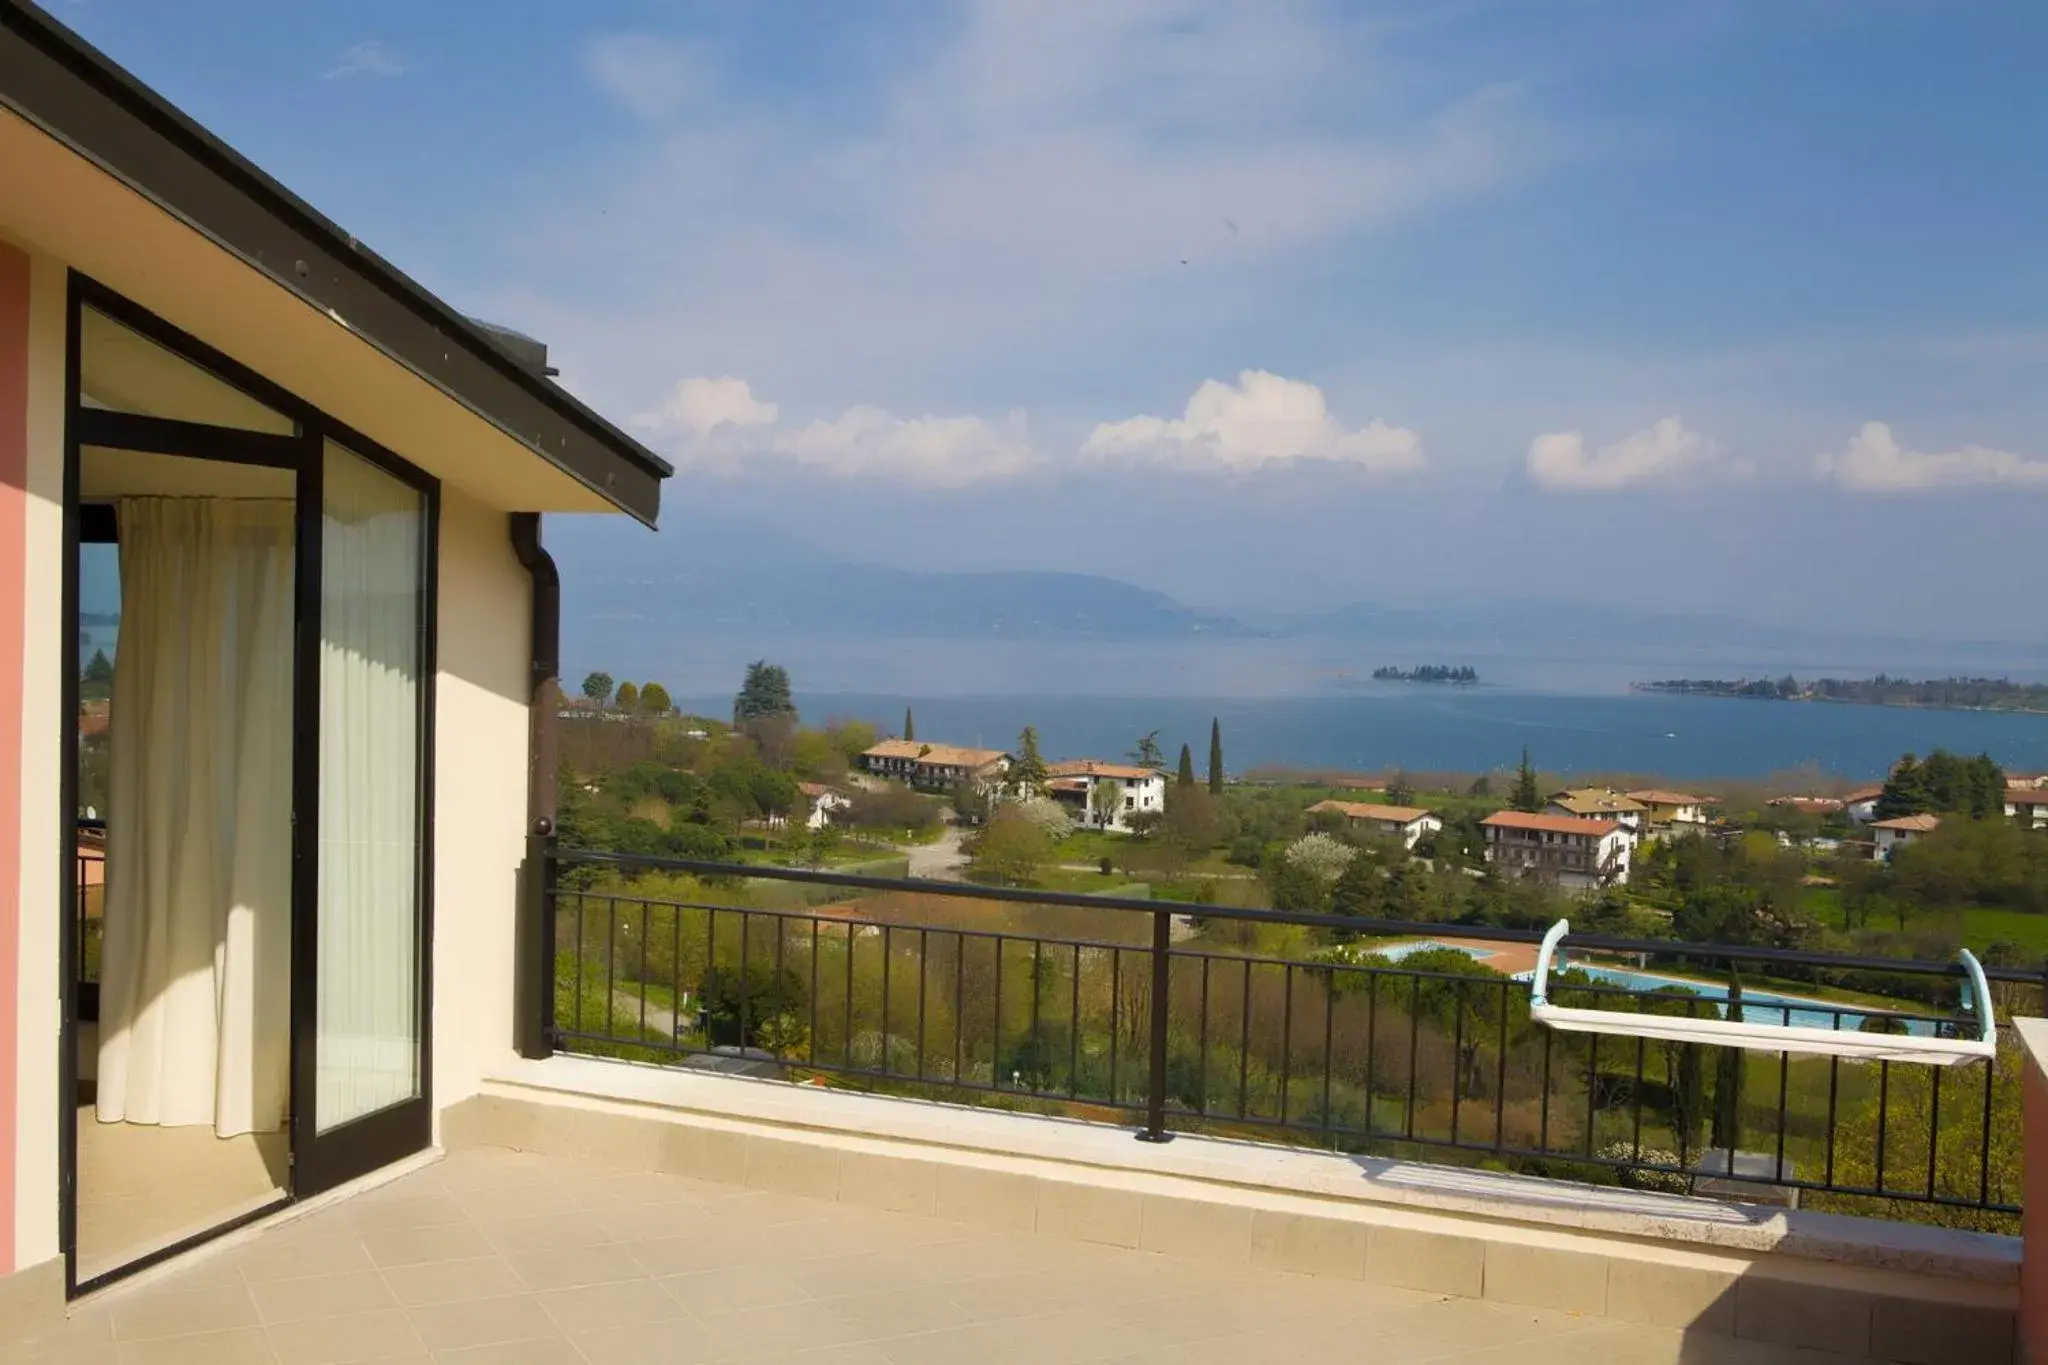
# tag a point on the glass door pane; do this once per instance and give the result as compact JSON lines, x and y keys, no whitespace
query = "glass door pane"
{"x":372,"y":628}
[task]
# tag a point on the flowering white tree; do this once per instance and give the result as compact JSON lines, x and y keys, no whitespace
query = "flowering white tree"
{"x":1046,"y":813}
{"x":1322,"y":855}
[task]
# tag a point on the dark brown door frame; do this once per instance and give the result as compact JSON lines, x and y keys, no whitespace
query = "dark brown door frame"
{"x":319,"y":1161}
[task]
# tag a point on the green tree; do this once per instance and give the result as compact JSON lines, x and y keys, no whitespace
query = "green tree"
{"x":1457,"y":988}
{"x":1400,"y":789}
{"x":1216,"y":756}
{"x":97,"y":679}
{"x":909,"y":724}
{"x":654,"y":699}
{"x":1527,"y":797}
{"x":628,"y":697}
{"x":1186,"y":776}
{"x":1147,"y":753}
{"x":598,"y":687}
{"x":1105,"y":800}
{"x":1027,"y":771}
{"x":764,"y":694}
{"x":1011,"y":850}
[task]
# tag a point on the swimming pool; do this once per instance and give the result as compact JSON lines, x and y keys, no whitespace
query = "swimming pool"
{"x":1398,"y":951}
{"x":1818,"y":1014}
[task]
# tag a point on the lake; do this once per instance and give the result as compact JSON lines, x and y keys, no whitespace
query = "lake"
{"x":1478,"y":729}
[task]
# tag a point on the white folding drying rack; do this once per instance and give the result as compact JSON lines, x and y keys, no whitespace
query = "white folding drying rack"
{"x":1765,"y":1037}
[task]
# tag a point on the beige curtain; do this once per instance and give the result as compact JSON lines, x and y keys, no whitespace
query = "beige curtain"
{"x":196,"y":962}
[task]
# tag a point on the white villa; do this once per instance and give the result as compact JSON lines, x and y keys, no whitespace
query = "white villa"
{"x":1409,"y":824}
{"x":1106,"y":795}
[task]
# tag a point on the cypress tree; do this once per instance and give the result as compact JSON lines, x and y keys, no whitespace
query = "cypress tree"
{"x":909,"y":724}
{"x":1527,"y":797}
{"x":1728,"y":1075}
{"x":1216,"y":756}
{"x":1187,"y":767}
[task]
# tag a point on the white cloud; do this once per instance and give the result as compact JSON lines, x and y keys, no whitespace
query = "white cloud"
{"x":656,"y":78}
{"x":1875,"y":462}
{"x":1668,"y":453}
{"x":719,"y":426}
{"x":696,"y":407}
{"x":367,"y":59}
{"x":1261,"y":420}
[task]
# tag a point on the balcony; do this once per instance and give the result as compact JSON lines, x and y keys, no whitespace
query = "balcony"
{"x":786,"y":1115}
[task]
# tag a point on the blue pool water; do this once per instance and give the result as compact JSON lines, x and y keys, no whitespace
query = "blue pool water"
{"x":1759,"y":1007}
{"x":1401,"y":950}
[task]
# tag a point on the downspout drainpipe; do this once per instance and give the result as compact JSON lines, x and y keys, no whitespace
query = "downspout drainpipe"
{"x":534,"y":997}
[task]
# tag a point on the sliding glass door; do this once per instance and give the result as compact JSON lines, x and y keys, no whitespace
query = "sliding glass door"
{"x":366,"y":1069}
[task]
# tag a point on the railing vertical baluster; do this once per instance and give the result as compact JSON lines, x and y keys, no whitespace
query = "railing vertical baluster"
{"x":1984,"y":1148}
{"x":1834,"y":1094}
{"x":646,"y":934}
{"x":1372,"y":1029}
{"x":1116,"y":991}
{"x":1784,"y":1078}
{"x":1074,"y":1027}
{"x":1202,"y":1045}
{"x":746,"y":932}
{"x":775,"y":993}
{"x":1329,"y":1041}
{"x":1592,"y":1090}
{"x":1037,"y":995}
{"x":675,"y":984}
{"x":710,"y":966}
{"x":1500,"y":1072}
{"x":581,"y":898}
{"x":811,"y":1050}
{"x":995,"y":1042}
{"x":1933,"y":1127}
{"x":1543,"y":1106}
{"x":1155,"y":1072}
{"x":846,"y":1042}
{"x":1286,"y":1037}
{"x":959,"y":1003}
{"x":1414,"y":1051}
{"x":924,"y":947}
{"x":1884,"y":1086}
{"x":1636,"y":1131}
{"x":611,"y":963}
{"x":1457,"y":1053}
{"x":1244,"y":1044}
{"x":888,"y":970}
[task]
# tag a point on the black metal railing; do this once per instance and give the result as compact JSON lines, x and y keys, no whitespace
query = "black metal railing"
{"x":89,"y":873}
{"x":1147,"y":1012}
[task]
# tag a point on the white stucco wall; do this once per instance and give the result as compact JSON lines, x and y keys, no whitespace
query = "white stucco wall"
{"x":36,"y":1115}
{"x":480,"y":747}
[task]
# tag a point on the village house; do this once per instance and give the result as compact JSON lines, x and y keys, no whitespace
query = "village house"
{"x":1811,"y":805}
{"x":2028,"y":805}
{"x":935,"y":767}
{"x":1106,"y":795}
{"x":1667,"y":813}
{"x":1575,"y":852}
{"x":1409,"y":824}
{"x":1860,"y":806}
{"x":822,"y":803}
{"x":1601,"y":803}
{"x":1894,"y":834}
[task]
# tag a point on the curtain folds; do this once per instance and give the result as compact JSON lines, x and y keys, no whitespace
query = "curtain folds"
{"x":196,"y":960}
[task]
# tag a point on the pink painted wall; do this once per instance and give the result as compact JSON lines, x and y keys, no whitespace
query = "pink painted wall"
{"x":13,"y":561}
{"x":2034,"y":1266}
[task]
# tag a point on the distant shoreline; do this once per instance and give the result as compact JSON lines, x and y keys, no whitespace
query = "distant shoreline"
{"x":1991,"y":695}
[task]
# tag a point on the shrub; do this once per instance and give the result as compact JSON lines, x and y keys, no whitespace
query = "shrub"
{"x":1321,"y":855}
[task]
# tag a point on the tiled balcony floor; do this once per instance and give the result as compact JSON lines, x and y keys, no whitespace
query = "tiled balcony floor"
{"x":499,"y":1258}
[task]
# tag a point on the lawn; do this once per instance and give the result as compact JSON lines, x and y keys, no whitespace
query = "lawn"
{"x":1982,"y":928}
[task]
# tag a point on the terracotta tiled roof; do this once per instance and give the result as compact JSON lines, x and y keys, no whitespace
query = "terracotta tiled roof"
{"x":1366,"y":810}
{"x":1656,"y":796}
{"x":2026,"y":796}
{"x":948,"y":755}
{"x":1090,"y":767}
{"x":1918,"y":824}
{"x":1862,"y":794}
{"x":1594,"y":801}
{"x":1555,"y":824}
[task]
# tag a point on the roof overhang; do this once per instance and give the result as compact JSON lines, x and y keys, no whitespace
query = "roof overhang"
{"x":69,"y":91}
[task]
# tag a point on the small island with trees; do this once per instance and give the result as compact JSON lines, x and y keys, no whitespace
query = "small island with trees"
{"x":1462,"y":675}
{"x":1964,"y":694}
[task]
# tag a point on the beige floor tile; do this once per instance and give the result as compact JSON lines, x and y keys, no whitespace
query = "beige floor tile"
{"x":895,"y":1313}
{"x":171,"y":1311}
{"x":352,"y":1340}
{"x":682,"y":1342}
{"x":785,"y":1327}
{"x":397,"y":1247}
{"x":480,"y":1322}
{"x":628,"y":1303}
{"x":510,"y":1235}
{"x":710,"y":1292}
{"x":479,"y":1277}
{"x":401,"y":1206}
{"x":321,"y":1296}
{"x":573,"y":1266}
{"x":538,"y":1351}
{"x":242,"y":1346}
{"x":293,"y":1258}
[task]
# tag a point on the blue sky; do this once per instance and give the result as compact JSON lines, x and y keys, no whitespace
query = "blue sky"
{"x":1720,"y":306}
